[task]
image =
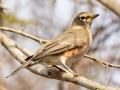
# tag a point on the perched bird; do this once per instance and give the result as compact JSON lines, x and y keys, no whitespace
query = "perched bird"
{"x":69,"y":47}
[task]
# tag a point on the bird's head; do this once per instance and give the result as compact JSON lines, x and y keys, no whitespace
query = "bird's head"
{"x":84,"y":19}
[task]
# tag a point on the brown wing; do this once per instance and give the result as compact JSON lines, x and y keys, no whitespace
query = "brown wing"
{"x":67,"y":41}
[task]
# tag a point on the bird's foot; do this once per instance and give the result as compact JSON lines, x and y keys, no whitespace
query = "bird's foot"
{"x":76,"y":75}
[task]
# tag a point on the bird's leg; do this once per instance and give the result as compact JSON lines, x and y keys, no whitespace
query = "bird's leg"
{"x":75,"y":75}
{"x":63,"y":63}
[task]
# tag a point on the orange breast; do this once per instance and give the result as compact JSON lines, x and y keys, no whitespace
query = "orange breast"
{"x":69,"y":53}
{"x":77,"y":52}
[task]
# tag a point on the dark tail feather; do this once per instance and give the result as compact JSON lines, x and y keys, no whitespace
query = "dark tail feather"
{"x":21,"y":67}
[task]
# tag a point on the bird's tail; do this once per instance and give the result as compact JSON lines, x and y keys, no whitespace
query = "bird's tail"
{"x":21,"y":67}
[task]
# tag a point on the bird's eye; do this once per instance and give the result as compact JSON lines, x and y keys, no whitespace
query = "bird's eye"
{"x":82,"y":17}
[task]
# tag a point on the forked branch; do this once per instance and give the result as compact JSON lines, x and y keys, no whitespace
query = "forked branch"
{"x":50,"y":72}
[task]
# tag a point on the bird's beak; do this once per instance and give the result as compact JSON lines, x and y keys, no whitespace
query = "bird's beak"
{"x":95,"y":15}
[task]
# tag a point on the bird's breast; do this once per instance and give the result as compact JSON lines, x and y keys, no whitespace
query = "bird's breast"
{"x":89,"y":34}
{"x":75,"y":54}
{"x":71,"y":55}
{"x":78,"y":52}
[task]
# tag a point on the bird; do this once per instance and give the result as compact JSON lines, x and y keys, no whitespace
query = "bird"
{"x":66,"y":48}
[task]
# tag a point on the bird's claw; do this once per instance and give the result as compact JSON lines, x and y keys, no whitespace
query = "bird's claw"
{"x":76,"y":75}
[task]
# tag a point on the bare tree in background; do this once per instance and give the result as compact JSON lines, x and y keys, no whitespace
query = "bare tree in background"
{"x":43,"y":22}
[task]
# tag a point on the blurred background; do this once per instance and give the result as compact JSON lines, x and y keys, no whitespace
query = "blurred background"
{"x":47,"y":19}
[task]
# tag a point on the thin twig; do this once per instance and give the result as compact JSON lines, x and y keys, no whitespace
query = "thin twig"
{"x":23,"y":28}
{"x":102,"y":62}
{"x":106,"y":73}
{"x":51,"y":72}
{"x":41,"y":41}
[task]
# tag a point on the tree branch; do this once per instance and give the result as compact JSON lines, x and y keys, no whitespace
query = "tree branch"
{"x":53,"y":73}
{"x":20,"y":32}
{"x":112,"y":5}
{"x":105,"y":64}
{"x":42,"y":41}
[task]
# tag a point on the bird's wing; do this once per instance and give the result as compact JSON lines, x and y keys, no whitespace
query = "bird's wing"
{"x":61,"y":44}
{"x":66,"y":41}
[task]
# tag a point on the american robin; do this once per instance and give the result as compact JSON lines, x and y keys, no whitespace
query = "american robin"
{"x":69,"y":47}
